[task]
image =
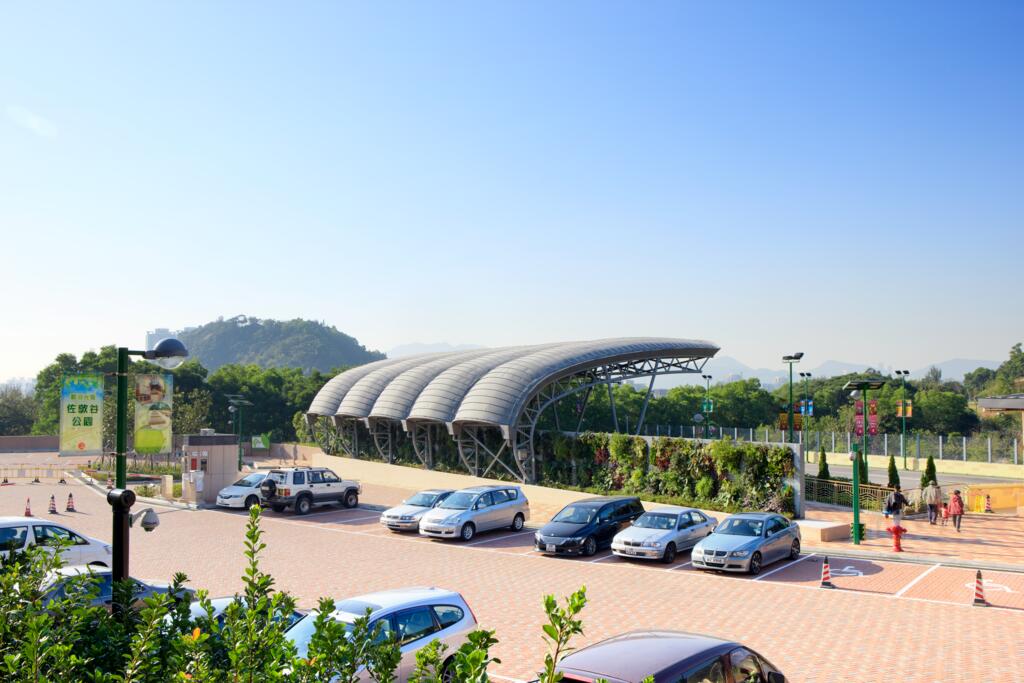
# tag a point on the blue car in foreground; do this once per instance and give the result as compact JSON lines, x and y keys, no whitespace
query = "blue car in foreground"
{"x":747,"y":542}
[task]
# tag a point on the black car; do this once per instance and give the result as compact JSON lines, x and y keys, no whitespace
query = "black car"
{"x":667,"y":657}
{"x":586,"y":525}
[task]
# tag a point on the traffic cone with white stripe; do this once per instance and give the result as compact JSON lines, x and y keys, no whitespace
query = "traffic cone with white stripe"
{"x":110,"y":482}
{"x":5,"y":482}
{"x":826,"y":575}
{"x":53,"y":505}
{"x":979,"y":592}
{"x":71,"y":504}
{"x":28,"y":507}
{"x":988,"y":504}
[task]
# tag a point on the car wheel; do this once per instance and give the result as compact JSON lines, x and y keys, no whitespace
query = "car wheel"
{"x":278,"y":508}
{"x":250,"y":501}
{"x":303,"y":505}
{"x":518,"y":522}
{"x":794,"y":550}
{"x":468,"y":531}
{"x":351,"y":499}
{"x":448,"y":671}
{"x":670,"y":554}
{"x":589,"y":546}
{"x":755,"y":564}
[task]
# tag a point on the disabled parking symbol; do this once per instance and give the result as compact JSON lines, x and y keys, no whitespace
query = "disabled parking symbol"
{"x":848,"y":570}
{"x":989,"y":584}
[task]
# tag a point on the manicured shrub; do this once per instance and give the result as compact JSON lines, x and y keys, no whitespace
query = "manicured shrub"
{"x":894,"y":474}
{"x":929,"y":474}
{"x":823,"y":472}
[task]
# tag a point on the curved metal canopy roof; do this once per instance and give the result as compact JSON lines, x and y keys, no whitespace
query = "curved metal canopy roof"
{"x":483,"y":386}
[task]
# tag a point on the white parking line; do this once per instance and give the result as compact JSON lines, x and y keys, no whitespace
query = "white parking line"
{"x":602,"y":559}
{"x":679,"y":566}
{"x":785,"y":566}
{"x":498,"y":538}
{"x":357,"y":519}
{"x":919,"y":577}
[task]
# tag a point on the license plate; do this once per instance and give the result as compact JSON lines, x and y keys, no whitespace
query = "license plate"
{"x":550,"y":547}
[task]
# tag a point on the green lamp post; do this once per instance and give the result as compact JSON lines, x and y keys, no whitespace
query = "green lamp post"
{"x":707,"y":404}
{"x":794,"y":358}
{"x":806,"y":376}
{"x":860,"y":387}
{"x":236,"y":402}
{"x":903,"y":411}
{"x":168,"y":354}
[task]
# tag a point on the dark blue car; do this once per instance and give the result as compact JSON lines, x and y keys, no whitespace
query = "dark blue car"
{"x":583,"y":527}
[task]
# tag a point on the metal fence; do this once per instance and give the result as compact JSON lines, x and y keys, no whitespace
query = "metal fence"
{"x":995,"y":447}
{"x":872,"y":496}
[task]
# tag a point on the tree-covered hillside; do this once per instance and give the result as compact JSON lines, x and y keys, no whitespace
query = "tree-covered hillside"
{"x":303,"y":344}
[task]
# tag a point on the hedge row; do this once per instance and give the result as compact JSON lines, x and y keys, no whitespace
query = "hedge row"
{"x":722,"y":475}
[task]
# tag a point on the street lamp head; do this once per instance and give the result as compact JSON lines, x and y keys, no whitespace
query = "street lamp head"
{"x":794,"y":358}
{"x":168,"y":353}
{"x":232,"y":408}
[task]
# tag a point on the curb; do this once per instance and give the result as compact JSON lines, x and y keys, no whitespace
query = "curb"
{"x":89,"y":481}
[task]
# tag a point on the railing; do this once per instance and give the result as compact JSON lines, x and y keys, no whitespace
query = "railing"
{"x":995,"y":447}
{"x":872,"y":496}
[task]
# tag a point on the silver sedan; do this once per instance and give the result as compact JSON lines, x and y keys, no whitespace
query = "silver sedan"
{"x":662,"y":532}
{"x":746,"y":542}
{"x":406,"y":517}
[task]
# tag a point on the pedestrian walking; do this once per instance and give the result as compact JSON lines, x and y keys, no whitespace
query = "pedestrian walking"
{"x":894,"y":504}
{"x":956,"y":508}
{"x":945,"y":513}
{"x":932,"y":495}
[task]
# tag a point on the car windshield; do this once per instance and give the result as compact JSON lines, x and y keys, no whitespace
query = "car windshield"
{"x":423,"y":500}
{"x":458,"y":501}
{"x":575,"y":514}
{"x":740,"y":526}
{"x":251,"y":480}
{"x":655,"y":520}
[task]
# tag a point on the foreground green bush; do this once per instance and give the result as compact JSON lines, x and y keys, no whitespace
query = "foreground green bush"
{"x":70,"y":640}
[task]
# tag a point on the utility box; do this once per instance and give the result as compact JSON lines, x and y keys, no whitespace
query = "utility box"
{"x":209,"y":463}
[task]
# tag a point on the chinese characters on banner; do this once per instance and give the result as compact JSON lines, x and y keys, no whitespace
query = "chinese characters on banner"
{"x":784,"y":422}
{"x":858,"y":418}
{"x":873,"y":417}
{"x":153,"y":413}
{"x":81,"y":415}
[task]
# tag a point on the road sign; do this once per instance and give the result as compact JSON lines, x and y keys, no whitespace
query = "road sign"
{"x":698,"y":418}
{"x":708,"y":405}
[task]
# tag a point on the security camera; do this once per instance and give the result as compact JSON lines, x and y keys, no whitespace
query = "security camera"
{"x":150,"y":520}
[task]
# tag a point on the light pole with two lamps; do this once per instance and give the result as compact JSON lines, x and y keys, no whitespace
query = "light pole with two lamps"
{"x":236,"y":402}
{"x":903,"y":412}
{"x":806,"y":412}
{"x":794,"y":358}
{"x":860,"y":388}
{"x":168,"y":354}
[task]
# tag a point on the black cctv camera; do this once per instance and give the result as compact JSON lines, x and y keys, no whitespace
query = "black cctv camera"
{"x":121,"y":498}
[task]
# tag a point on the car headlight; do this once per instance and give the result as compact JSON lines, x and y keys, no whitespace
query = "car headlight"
{"x":536,"y":535}
{"x":405,"y":518}
{"x":454,"y":519}
{"x":108,"y":549}
{"x":739,"y":553}
{"x":652,"y":544}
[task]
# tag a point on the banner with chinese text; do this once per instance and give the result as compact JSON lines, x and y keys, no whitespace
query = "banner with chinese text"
{"x":873,"y":417}
{"x":153,"y":401}
{"x":81,"y":415}
{"x":858,"y":418}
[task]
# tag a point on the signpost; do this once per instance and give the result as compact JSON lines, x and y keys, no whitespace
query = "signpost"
{"x":81,"y":415}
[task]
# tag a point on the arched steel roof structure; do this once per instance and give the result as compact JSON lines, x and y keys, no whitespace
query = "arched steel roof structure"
{"x":506,"y":389}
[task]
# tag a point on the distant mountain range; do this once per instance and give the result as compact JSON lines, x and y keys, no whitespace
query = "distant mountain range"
{"x":295,"y":343}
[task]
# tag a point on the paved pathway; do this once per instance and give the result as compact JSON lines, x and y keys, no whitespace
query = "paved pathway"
{"x":914,"y":619}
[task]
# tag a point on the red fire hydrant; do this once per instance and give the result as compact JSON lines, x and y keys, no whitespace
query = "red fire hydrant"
{"x":896,"y":532}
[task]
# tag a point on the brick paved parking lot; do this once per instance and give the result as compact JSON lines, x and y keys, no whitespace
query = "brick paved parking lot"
{"x":911,"y":621}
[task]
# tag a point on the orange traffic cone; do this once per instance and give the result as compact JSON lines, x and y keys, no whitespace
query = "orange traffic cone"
{"x":988,"y":503}
{"x":110,"y":483}
{"x":826,"y":575}
{"x":62,"y":482}
{"x":979,"y":592}
{"x":53,"y":505}
{"x":28,"y":507}
{"x":71,"y":504}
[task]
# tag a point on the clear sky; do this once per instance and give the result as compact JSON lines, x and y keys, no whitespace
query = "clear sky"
{"x":844,"y":179}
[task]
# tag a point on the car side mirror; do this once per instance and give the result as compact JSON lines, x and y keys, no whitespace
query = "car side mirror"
{"x":776,"y":677}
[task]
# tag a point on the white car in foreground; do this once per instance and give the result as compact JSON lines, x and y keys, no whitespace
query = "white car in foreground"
{"x":17,"y":533}
{"x":662,"y":532}
{"x":412,"y":616}
{"x":244,"y":493}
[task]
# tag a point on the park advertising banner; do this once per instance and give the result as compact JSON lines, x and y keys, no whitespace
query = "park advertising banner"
{"x":873,"y":417}
{"x":153,"y":397}
{"x":81,"y":415}
{"x":858,"y":418}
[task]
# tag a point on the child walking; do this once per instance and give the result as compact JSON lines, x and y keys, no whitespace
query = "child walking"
{"x":945,"y":513}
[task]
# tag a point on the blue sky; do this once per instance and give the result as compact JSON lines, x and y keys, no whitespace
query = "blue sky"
{"x":841,"y":179}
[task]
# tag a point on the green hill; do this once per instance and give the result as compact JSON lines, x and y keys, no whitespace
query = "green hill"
{"x":296,"y":343}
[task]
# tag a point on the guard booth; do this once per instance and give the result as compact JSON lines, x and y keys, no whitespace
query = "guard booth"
{"x":209,"y":462}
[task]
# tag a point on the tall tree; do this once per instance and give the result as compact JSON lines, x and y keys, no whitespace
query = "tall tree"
{"x":17,"y":411}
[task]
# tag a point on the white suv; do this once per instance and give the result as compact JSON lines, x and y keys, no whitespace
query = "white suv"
{"x":304,"y":487}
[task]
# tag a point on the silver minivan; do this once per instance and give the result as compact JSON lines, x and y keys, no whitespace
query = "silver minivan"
{"x":469,"y":511}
